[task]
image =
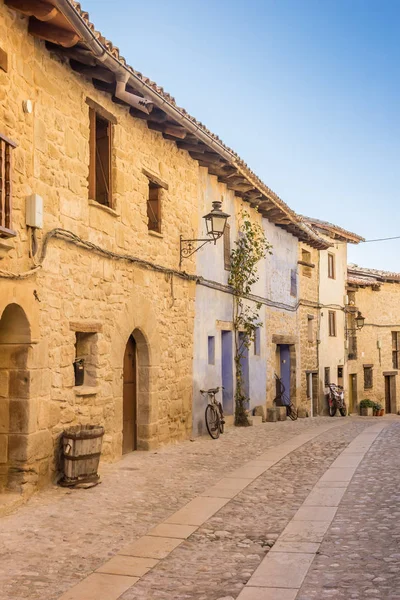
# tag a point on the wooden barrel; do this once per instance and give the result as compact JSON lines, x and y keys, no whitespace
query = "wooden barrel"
{"x":81,"y":447}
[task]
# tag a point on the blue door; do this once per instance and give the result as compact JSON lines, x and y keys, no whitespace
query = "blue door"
{"x":227,"y":371}
{"x":285,"y":368}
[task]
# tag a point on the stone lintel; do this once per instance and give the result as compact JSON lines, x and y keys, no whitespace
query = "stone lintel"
{"x":86,"y":326}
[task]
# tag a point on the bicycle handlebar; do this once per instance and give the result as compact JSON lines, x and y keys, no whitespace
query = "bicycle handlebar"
{"x":212,"y":390}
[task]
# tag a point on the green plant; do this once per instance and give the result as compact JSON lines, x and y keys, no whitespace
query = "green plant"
{"x":367,"y":403}
{"x":377,"y":406}
{"x":250,"y":247}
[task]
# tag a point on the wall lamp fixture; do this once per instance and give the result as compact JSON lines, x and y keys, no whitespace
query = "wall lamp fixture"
{"x":215,"y":224}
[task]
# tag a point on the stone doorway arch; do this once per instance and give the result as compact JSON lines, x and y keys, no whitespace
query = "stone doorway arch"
{"x":16,"y":420}
{"x":136,"y":393}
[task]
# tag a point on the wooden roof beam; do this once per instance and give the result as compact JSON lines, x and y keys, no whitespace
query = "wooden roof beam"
{"x":41,"y":10}
{"x":172,"y":130}
{"x":51,"y":33}
{"x":99,"y":73}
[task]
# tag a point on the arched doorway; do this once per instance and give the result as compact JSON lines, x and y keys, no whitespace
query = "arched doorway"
{"x":15,"y":338}
{"x":129,"y":428}
{"x":136,"y":393}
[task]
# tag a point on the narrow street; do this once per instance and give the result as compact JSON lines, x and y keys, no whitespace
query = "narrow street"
{"x":214,"y":510}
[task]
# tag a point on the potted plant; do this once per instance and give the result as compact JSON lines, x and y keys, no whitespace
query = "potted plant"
{"x":377,"y":409}
{"x":366,"y":407}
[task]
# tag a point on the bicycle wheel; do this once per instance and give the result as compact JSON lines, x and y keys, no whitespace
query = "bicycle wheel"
{"x":212,"y":421}
{"x":221,"y":426}
{"x":343,"y":410}
{"x":292,"y":412}
{"x":332,"y":409}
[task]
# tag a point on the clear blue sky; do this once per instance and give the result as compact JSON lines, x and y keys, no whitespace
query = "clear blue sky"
{"x":306,"y":91}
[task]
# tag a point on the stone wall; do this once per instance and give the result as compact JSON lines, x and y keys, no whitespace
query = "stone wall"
{"x":380,"y":307}
{"x":81,"y":290}
{"x":308,"y":312}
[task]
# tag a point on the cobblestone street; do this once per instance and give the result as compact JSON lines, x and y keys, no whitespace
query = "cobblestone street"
{"x":62,"y":536}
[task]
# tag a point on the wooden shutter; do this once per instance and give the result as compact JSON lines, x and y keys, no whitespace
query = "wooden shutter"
{"x":332,"y":323}
{"x":6,"y":147}
{"x":227,"y":247}
{"x":368,"y":381}
{"x":100,"y":163}
{"x":154,"y":208}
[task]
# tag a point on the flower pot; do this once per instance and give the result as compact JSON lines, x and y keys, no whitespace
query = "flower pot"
{"x":381,"y":412}
{"x":367,"y":412}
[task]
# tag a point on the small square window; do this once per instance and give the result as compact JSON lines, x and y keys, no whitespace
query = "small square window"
{"x":211,"y":350}
{"x":331,"y":266}
{"x":86,"y":358}
{"x":257,"y":341}
{"x":327,"y":376}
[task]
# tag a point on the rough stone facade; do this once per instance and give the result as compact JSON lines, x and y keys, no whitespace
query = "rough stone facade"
{"x":308,"y":316}
{"x":379,"y":304}
{"x":81,"y":291}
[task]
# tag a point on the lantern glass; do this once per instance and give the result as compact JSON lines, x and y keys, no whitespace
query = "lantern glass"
{"x":216,"y":221}
{"x":360,"y":321}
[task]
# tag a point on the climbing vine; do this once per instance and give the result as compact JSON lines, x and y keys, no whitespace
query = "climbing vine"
{"x":250,"y":247}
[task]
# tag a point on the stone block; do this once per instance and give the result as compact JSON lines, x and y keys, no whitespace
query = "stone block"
{"x":30,"y":447}
{"x":272,"y":415}
{"x":302,"y":412}
{"x":281,"y":413}
{"x":3,"y":448}
{"x":4,"y":415}
{"x":23,"y":415}
{"x":259,"y":411}
{"x":368,"y":411}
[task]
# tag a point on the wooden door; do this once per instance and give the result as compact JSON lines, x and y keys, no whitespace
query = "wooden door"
{"x":129,"y":433}
{"x":387,"y":395}
{"x":352,"y":393}
{"x":314,"y":388}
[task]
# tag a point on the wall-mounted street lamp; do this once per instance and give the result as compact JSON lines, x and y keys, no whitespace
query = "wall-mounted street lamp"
{"x":215,"y":224}
{"x":359,"y":323}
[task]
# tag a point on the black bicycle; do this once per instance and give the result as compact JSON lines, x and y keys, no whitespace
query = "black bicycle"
{"x":281,"y":399}
{"x":214,"y":414}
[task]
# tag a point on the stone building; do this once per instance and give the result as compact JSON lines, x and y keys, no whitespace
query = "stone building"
{"x":373,"y":351}
{"x":101,"y":173}
{"x":324,"y":350}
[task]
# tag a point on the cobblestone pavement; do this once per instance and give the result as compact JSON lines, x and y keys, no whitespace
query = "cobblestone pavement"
{"x":359,"y":557}
{"x":60,"y":536}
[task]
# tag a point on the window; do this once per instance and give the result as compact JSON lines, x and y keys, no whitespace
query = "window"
{"x":6,"y":147}
{"x":368,"y":381}
{"x":327,"y":376}
{"x":395,"y":348}
{"x":211,"y":350}
{"x":306,"y":258}
{"x":332,"y":323}
{"x":257,"y":341}
{"x":310,"y":328}
{"x":100,"y":184}
{"x":293,"y":282}
{"x":331,"y":266}
{"x":227,"y":247}
{"x":154,"y":207}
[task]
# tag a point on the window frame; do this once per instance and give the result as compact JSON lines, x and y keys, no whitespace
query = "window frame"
{"x":6,"y":174}
{"x":327,"y":376}
{"x":306,"y":258}
{"x":96,"y":115}
{"x":368,"y":380}
{"x":332,"y":325}
{"x":331,"y":266}
{"x":227,"y":247}
{"x":154,"y":189}
{"x":293,"y":283}
{"x":211,"y":349}
{"x":395,"y":349}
